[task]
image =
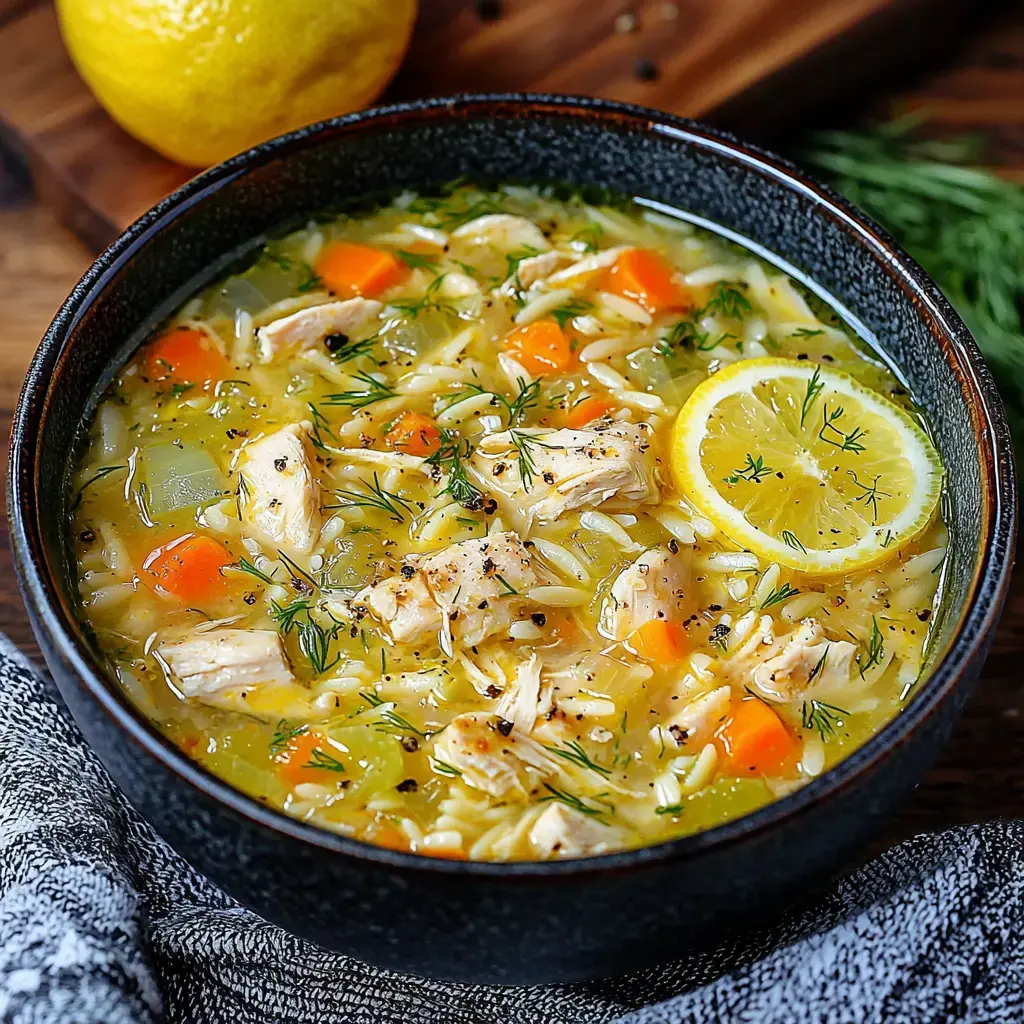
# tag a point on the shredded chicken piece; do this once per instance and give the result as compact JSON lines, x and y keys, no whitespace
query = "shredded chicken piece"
{"x":808,"y":659}
{"x":552,"y":472}
{"x":697,"y":722}
{"x":471,"y":589}
{"x":504,"y":231}
{"x":308,"y":327}
{"x":520,"y":704}
{"x":227,"y":658}
{"x":569,"y":833}
{"x":280,"y":496}
{"x":490,"y":756}
{"x":531,"y":270}
{"x":588,"y":265}
{"x":653,"y":587}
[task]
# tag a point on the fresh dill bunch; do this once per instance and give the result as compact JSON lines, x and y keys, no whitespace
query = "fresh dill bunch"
{"x":963,"y":224}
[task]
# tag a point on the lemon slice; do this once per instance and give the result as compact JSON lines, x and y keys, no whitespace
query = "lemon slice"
{"x":804,"y":466}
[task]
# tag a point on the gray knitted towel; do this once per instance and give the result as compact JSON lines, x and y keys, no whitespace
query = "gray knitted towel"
{"x":101,"y":923}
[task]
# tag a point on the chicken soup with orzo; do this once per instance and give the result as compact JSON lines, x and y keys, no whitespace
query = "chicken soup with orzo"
{"x":501,"y":525}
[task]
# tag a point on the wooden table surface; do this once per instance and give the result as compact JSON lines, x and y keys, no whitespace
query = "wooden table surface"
{"x":981,"y":774}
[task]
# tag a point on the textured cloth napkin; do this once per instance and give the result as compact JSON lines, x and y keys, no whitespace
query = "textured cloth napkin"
{"x":101,"y":923}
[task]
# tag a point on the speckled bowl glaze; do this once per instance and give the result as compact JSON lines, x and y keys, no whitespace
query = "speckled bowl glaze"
{"x":525,"y":922}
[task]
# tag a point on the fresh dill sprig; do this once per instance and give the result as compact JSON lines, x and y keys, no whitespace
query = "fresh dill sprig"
{"x":527,"y":398}
{"x":727,"y":301}
{"x":512,"y":261}
{"x":315,"y":643}
{"x":344,"y":349}
{"x":283,"y":735}
{"x":570,"y":801}
{"x":391,"y":722}
{"x":416,"y":260}
{"x":310,"y":280}
{"x":869,"y":493}
{"x":752,"y":471}
{"x":526,"y":445}
{"x":429,"y":300}
{"x":672,"y":809}
{"x":814,"y":388}
{"x":778,"y":595}
{"x":319,"y":758}
{"x":509,"y":589}
{"x":963,"y":224}
{"x":373,"y":391}
{"x":821,"y":717}
{"x":102,"y":472}
{"x":569,"y":309}
{"x":287,"y":617}
{"x":875,"y":650}
{"x":244,"y":565}
{"x":790,"y":539}
{"x":450,"y":458}
{"x":444,"y":768}
{"x":848,"y":442}
{"x":321,"y":426}
{"x":575,"y":754}
{"x":300,"y":578}
{"x":806,"y":332}
{"x":374,"y":496}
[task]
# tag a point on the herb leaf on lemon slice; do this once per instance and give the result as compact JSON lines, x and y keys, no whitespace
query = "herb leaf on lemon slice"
{"x":853,"y":477}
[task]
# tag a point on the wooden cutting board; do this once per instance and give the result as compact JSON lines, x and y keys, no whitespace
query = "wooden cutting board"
{"x":754,"y":66}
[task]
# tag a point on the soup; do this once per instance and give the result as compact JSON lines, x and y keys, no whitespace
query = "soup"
{"x":501,"y":525}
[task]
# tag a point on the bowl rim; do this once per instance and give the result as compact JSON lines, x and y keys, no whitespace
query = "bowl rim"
{"x":982,"y":607}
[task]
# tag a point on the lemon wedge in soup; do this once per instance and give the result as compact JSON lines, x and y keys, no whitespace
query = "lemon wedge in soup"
{"x":804,"y":466}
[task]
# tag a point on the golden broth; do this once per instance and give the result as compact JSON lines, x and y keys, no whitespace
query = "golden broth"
{"x":575,"y":732}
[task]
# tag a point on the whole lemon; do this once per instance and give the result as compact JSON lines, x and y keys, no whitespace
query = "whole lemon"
{"x":199,"y":80}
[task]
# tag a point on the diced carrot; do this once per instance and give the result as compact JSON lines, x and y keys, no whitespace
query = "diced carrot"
{"x":413,"y":434}
{"x":389,"y":837}
{"x":434,"y":851}
{"x":184,"y":355}
{"x":587,"y":411}
{"x":647,"y":278}
{"x":541,"y":347}
{"x":349,"y":269}
{"x":298,"y":762}
{"x":189,"y":568}
{"x":756,"y":741}
{"x":661,"y":641}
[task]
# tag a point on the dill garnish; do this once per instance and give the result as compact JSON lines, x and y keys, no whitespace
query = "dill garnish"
{"x":509,"y":589}
{"x":589,"y":236}
{"x":575,"y":754}
{"x":823,"y":718}
{"x":310,"y":280}
{"x":374,"y":391}
{"x":728,"y":302}
{"x":778,"y":595}
{"x":806,"y":332}
{"x":285,"y":616}
{"x":569,"y":309}
{"x":429,"y":300}
{"x":848,"y":442}
{"x":875,"y":650}
{"x":416,"y":260}
{"x":343,"y":349}
{"x":104,"y":471}
{"x":391,"y":722}
{"x":301,"y":580}
{"x":318,"y":758}
{"x":791,"y":540}
{"x":672,"y":809}
{"x":283,"y":735}
{"x":753,"y":470}
{"x":570,"y":801}
{"x":245,"y":565}
{"x":814,"y":388}
{"x":964,"y":225}
{"x":526,"y":446}
{"x":320,"y":427}
{"x":314,"y":639}
{"x":512,"y":261}
{"x":870,"y":494}
{"x":374,"y":496}
{"x":444,"y":768}
{"x":450,"y":459}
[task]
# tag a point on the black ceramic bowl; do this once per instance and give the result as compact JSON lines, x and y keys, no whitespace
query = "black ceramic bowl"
{"x":528,"y":922}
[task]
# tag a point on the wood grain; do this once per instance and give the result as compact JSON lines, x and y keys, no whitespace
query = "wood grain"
{"x":980,"y":776}
{"x":751,"y":65}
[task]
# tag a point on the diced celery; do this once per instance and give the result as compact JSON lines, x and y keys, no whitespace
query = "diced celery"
{"x":178,"y":478}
